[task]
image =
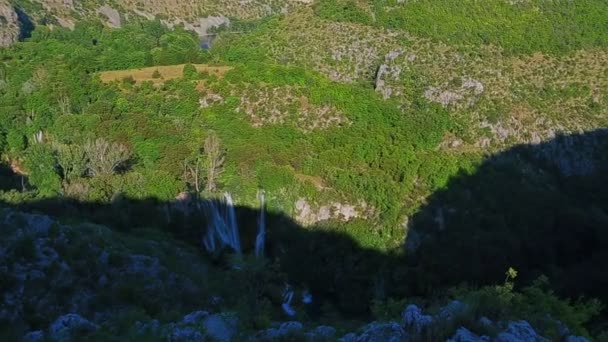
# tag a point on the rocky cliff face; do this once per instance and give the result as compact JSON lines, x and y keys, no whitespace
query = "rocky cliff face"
{"x":196,"y":16}
{"x":9,"y":24}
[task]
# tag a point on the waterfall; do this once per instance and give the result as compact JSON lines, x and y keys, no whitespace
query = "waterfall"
{"x":287,"y":298}
{"x":261,"y":237}
{"x":222,"y":231}
{"x":221,"y":225}
{"x":222,"y":228}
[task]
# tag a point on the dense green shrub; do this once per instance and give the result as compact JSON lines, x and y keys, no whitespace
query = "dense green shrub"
{"x":42,"y":166}
{"x":521,"y":27}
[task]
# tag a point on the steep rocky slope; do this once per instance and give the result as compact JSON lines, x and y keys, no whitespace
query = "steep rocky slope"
{"x":198,"y":16}
{"x":68,"y":282}
{"x":9,"y":24}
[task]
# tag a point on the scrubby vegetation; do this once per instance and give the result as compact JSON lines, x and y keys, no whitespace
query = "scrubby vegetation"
{"x":392,"y":138}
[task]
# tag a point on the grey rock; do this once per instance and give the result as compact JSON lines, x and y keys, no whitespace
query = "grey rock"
{"x":323,"y":332}
{"x":65,"y":327}
{"x":518,"y":331}
{"x":485,"y":321}
{"x":414,"y":319}
{"x":185,"y":335}
{"x":350,"y":337}
{"x":9,"y":28}
{"x":443,"y":97}
{"x":113,"y":16}
{"x":290,"y":327}
{"x":306,"y":214}
{"x":34,"y":336}
{"x":382,"y":332}
{"x":196,"y":317}
{"x":464,"y":335}
{"x":220,"y":328}
{"x":284,"y":329}
{"x":469,"y":89}
{"x":200,"y":25}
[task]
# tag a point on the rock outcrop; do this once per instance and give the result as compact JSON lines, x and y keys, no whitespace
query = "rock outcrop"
{"x":55,"y":269}
{"x":9,"y":24}
{"x":68,"y":327}
{"x":387,"y":75}
{"x":112,"y":15}
{"x":307,"y":213}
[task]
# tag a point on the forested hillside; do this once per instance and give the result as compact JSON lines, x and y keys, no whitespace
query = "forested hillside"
{"x":403,"y":151}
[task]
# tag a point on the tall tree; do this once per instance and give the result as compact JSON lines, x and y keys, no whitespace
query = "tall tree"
{"x":42,"y":167}
{"x":72,"y":160}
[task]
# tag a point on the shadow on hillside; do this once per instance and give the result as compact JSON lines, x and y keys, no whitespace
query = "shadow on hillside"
{"x":541,"y":209}
{"x":328,"y":263}
{"x":8,"y":179}
{"x":26,"y":25}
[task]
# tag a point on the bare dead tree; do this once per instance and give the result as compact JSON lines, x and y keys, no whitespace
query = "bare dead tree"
{"x":214,"y":161}
{"x":104,"y":158}
{"x":193,"y":172}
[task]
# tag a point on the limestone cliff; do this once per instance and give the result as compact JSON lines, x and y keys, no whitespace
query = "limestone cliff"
{"x":9,"y":24}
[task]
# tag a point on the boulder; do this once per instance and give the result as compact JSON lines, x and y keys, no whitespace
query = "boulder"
{"x":283,"y":330}
{"x":70,"y":327}
{"x":382,"y":332}
{"x":196,"y":317}
{"x":322,"y":332}
{"x":464,"y":335}
{"x":34,"y":336}
{"x":185,"y":335}
{"x":220,"y":328}
{"x":414,"y":319}
{"x":485,"y":321}
{"x":350,"y":337}
{"x":518,"y":331}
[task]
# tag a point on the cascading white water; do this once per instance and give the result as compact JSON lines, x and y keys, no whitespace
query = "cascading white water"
{"x":261,"y":237}
{"x":221,"y":225}
{"x":234,"y":229}
{"x":287,"y":298}
{"x":222,"y":230}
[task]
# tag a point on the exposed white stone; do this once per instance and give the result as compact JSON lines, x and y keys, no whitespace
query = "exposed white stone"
{"x":414,"y":319}
{"x":112,"y":14}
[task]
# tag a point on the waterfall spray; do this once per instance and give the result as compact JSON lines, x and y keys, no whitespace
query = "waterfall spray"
{"x":261,"y":237}
{"x":221,"y":225}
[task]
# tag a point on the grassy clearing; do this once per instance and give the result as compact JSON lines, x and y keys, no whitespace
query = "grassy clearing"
{"x":167,"y":72}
